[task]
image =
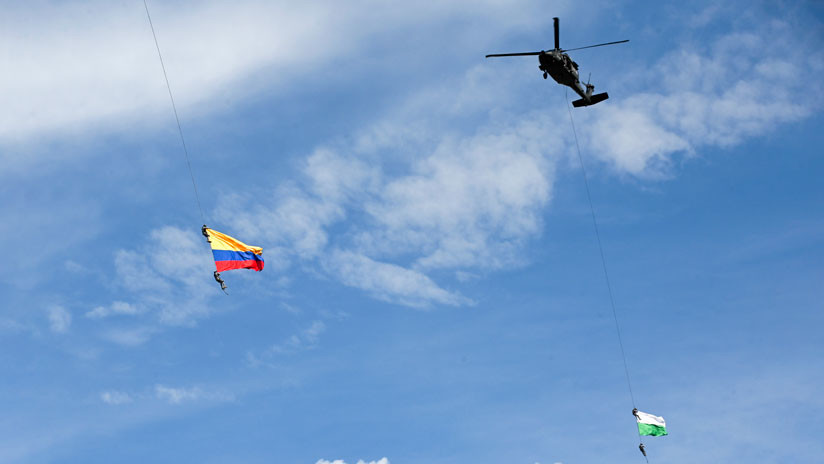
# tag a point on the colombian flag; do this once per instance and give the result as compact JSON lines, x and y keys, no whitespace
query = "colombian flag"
{"x":231,"y":253}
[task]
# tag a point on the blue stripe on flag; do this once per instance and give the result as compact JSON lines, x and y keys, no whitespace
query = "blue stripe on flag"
{"x":229,"y":255}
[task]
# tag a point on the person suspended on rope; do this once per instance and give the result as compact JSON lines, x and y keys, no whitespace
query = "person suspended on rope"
{"x":641,"y":446}
{"x":230,"y":253}
{"x":220,"y":281}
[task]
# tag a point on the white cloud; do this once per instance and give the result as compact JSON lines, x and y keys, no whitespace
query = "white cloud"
{"x":360,"y":461}
{"x":99,"y":65}
{"x":116,"y":308}
{"x":388,"y":281}
{"x":633,"y":140}
{"x":306,"y":339}
{"x":460,"y":202}
{"x":739,"y":86}
{"x":169,"y":279}
{"x":132,"y":336}
{"x":379,"y":461}
{"x":471,"y":202}
{"x":115,"y":397}
{"x":169,"y":276}
{"x":194,"y":394}
{"x":59,"y":319}
{"x":74,"y":267}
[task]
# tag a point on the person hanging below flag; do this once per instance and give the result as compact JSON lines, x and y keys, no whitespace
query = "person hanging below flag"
{"x":219,"y":280}
{"x":231,"y":253}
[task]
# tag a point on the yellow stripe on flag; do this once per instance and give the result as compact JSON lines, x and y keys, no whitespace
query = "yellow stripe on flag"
{"x":222,"y":241}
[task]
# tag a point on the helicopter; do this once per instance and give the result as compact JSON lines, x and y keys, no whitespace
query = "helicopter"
{"x":560,"y":66}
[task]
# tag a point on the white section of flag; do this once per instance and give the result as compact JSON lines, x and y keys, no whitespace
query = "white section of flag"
{"x":645,"y":418}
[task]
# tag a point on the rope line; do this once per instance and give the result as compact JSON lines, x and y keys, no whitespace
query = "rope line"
{"x":177,"y":119}
{"x":603,"y":259}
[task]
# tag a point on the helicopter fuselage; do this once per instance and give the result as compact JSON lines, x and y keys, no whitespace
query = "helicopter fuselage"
{"x":563,"y":70}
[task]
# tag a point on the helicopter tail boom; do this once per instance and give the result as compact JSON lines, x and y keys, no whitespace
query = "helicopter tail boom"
{"x":597,"y":98}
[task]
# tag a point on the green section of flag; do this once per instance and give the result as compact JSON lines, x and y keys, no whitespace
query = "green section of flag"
{"x":651,"y":430}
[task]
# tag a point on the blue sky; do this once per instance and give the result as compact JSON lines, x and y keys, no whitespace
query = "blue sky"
{"x":433,"y":290}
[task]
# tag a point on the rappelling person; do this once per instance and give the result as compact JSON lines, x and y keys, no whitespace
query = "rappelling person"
{"x":641,"y":446}
{"x":220,"y":281}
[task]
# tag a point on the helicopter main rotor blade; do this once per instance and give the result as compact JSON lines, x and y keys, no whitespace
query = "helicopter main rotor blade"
{"x":557,"y":40}
{"x":599,"y":45}
{"x":514,"y":54}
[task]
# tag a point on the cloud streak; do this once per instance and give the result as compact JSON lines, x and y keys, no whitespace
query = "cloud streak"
{"x":360,"y":461}
{"x":115,"y":397}
{"x":462,"y":202}
{"x":742,"y":85}
{"x":181,"y":395}
{"x":102,"y":69}
{"x":116,"y":308}
{"x":60,"y":319}
{"x":166,"y":275}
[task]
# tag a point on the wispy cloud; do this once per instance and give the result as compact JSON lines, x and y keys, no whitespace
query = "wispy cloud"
{"x":167,"y":276}
{"x":81,"y":82}
{"x":170,"y":395}
{"x":115,"y":397}
{"x":60,"y":319}
{"x":738,"y":86}
{"x":116,"y":308}
{"x":306,"y":339}
{"x":388,"y":282}
{"x":168,"y":280}
{"x":129,"y":336}
{"x":182,"y":395}
{"x":463,"y":202}
{"x":360,"y":461}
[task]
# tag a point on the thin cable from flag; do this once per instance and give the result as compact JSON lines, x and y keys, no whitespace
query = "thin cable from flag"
{"x":177,"y":119}
{"x":603,"y":262}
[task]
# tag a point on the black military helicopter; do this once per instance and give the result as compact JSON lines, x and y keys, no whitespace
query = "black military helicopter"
{"x":560,"y":66}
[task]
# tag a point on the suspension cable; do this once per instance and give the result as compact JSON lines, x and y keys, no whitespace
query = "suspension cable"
{"x":177,"y":119}
{"x":603,"y":260}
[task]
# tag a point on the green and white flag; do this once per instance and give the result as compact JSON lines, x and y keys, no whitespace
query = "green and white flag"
{"x":650,"y":425}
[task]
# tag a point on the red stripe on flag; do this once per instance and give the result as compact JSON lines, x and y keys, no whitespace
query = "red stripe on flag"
{"x":245,"y":264}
